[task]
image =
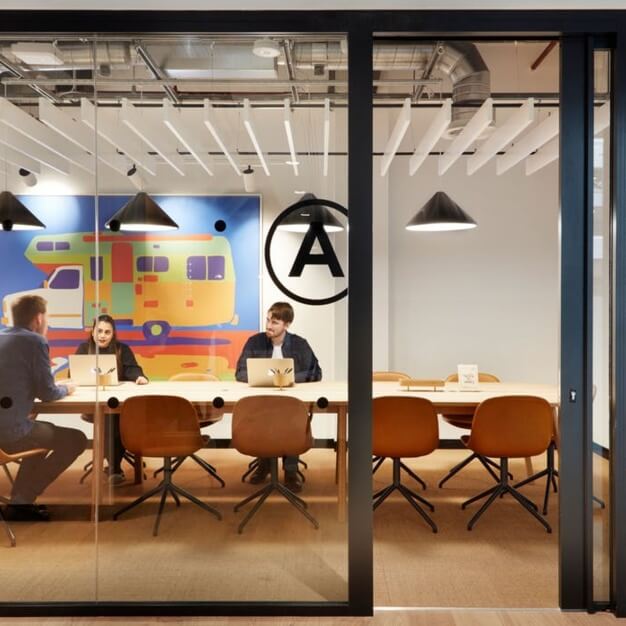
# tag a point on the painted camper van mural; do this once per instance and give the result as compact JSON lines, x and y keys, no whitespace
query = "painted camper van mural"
{"x":153,"y":281}
{"x":185,"y":301}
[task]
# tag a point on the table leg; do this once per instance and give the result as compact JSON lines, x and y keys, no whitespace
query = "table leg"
{"x":138,"y":470}
{"x":342,"y":427}
{"x":97,"y":460}
{"x":529,"y":466}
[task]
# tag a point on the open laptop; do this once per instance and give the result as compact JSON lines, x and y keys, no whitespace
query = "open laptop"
{"x":83,"y":368}
{"x":260,"y":374}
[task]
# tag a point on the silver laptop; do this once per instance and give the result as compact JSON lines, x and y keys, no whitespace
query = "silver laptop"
{"x":260,"y":372}
{"x":83,"y":368}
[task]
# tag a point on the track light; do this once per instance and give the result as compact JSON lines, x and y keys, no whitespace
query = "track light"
{"x":249,"y":180}
{"x":28,"y":178}
{"x":132,"y":171}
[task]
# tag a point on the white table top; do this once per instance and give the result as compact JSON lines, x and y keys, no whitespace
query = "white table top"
{"x":335,"y":392}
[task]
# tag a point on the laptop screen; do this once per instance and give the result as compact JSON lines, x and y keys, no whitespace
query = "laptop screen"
{"x":261,"y":371}
{"x":84,"y":368}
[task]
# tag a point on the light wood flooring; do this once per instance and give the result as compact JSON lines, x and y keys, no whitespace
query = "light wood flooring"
{"x":507,"y":561}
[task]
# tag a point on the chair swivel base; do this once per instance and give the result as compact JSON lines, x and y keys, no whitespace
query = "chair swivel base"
{"x":210,"y":469}
{"x":497,"y":491}
{"x":164,"y":487}
{"x":379,"y":460}
{"x":488,"y":464}
{"x":263,"y":494}
{"x":413,"y":498}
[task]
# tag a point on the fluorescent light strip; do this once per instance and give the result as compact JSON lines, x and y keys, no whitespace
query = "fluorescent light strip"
{"x":247,"y":122}
{"x":543,"y":156}
{"x":21,"y":143}
{"x":20,"y":160}
{"x":116,"y":137}
{"x":25,"y":124}
{"x":289,"y":131}
{"x":326,"y":136}
{"x":78,"y":134}
{"x":432,"y":135}
{"x":472,"y":131}
{"x":151,"y":136}
{"x":209,"y":123}
{"x":173,"y":120}
{"x":397,"y":134}
{"x":505,"y":134}
{"x":63,"y":124}
{"x":537,"y":137}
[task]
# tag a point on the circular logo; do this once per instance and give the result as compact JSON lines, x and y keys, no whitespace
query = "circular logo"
{"x":315,"y":231}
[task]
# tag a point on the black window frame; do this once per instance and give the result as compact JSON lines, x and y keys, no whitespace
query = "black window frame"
{"x":574,"y":28}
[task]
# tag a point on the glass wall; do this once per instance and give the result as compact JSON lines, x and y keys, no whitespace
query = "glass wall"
{"x":48,"y":161}
{"x":466,"y":249}
{"x":166,"y":169}
{"x":602,"y":304}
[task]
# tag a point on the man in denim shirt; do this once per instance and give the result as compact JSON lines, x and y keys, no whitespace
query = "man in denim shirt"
{"x":25,"y":375}
{"x":277,"y":343}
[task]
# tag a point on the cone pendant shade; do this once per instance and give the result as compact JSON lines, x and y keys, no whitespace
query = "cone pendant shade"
{"x":300,"y":220}
{"x":141,"y":213}
{"x":441,"y":213}
{"x":15,"y":216}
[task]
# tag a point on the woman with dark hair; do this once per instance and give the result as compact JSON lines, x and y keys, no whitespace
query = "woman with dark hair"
{"x":103,"y":339}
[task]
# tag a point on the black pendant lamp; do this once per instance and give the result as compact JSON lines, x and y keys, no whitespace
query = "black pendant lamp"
{"x":299,"y":221}
{"x":441,"y":213}
{"x":15,"y":216}
{"x":141,"y":213}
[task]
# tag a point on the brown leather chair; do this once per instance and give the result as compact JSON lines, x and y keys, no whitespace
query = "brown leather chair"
{"x":510,"y":427}
{"x":208,"y":416}
{"x":404,"y":427}
{"x":464,"y":420}
{"x":165,"y":427}
{"x":269,"y":426}
{"x":379,"y":460}
{"x":14,"y":457}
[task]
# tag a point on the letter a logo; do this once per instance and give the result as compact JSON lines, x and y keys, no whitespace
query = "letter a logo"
{"x":306,"y":257}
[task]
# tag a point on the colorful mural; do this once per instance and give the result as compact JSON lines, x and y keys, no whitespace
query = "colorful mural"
{"x":184,"y":301}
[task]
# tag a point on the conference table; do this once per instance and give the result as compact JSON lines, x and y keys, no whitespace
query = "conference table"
{"x":321,"y":397}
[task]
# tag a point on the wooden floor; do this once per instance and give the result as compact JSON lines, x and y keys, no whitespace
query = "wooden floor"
{"x":507,"y":561}
{"x":405,"y":617}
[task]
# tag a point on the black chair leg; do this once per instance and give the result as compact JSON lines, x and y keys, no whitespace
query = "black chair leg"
{"x":7,"y":471}
{"x":8,"y":530}
{"x":263,"y":494}
{"x":413,"y":498}
{"x":251,"y":467}
{"x":209,"y":468}
{"x":377,"y":461}
{"x":457,"y":468}
{"x":551,"y":474}
{"x":503,"y":487}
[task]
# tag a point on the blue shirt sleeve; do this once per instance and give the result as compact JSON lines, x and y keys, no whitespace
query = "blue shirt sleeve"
{"x":44,"y":386}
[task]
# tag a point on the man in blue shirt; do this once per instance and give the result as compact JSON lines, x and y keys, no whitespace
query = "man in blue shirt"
{"x":25,"y":375}
{"x":277,"y":343}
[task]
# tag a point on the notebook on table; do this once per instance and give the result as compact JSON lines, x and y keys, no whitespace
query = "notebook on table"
{"x":84,"y":369}
{"x":261,"y":371}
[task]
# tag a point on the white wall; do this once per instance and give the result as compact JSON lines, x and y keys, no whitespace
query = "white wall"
{"x":488,"y":296}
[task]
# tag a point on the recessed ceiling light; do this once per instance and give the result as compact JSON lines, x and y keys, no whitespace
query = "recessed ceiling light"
{"x":36,"y":53}
{"x":266,"y":47}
